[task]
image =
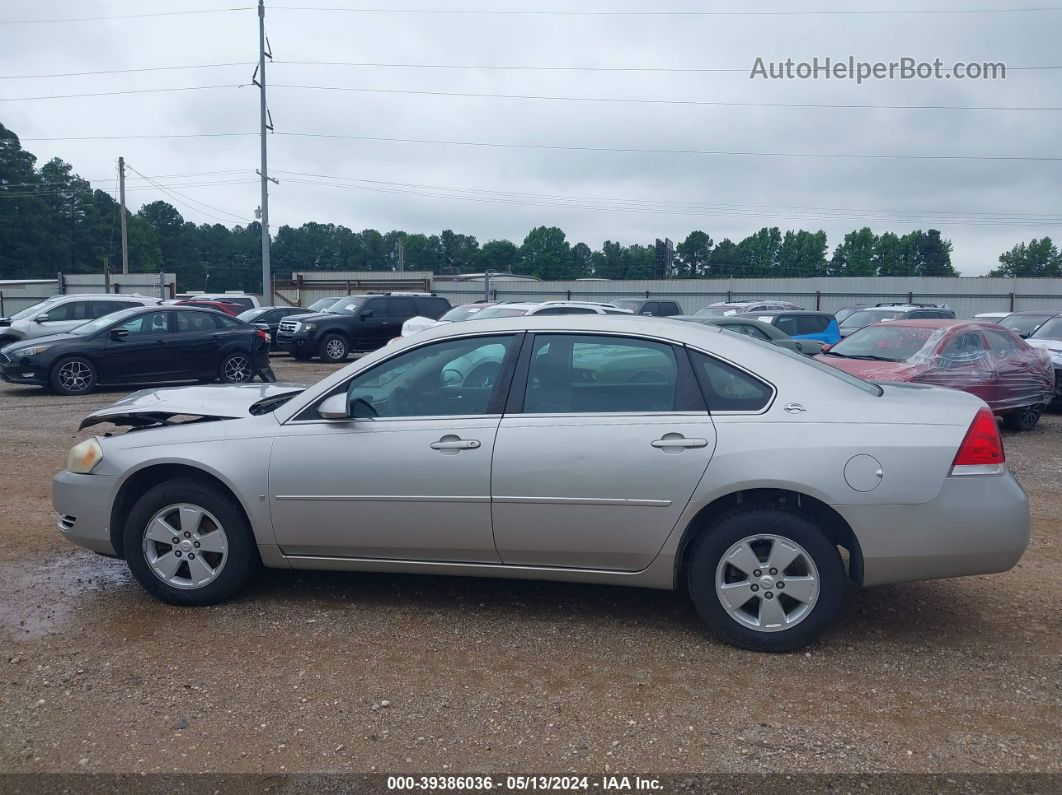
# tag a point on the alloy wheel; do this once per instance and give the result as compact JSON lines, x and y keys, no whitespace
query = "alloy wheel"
{"x":185,"y":546}
{"x":75,"y":376}
{"x":237,"y":370}
{"x":335,"y":349}
{"x":767,"y":582}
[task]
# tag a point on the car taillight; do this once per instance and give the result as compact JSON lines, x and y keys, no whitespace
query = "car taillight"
{"x":981,"y":451}
{"x":263,"y":334}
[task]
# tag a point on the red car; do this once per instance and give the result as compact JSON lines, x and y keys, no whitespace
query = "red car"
{"x":228,"y":308}
{"x":1015,"y":379}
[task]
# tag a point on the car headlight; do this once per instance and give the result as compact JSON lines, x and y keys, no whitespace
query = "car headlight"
{"x":308,"y":326}
{"x":25,"y":353}
{"x":84,"y":456}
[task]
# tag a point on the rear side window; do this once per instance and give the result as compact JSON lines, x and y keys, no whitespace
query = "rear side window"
{"x":669,"y":308}
{"x":596,"y":375}
{"x":650,"y":308}
{"x":786,"y":323}
{"x":194,"y":321}
{"x":432,"y":307}
{"x":1001,"y":343}
{"x":726,"y":388}
{"x":402,"y":307}
{"x":811,"y":324}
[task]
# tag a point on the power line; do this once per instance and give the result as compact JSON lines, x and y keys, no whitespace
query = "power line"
{"x":124,"y":91}
{"x":123,"y":16}
{"x":565,"y":147}
{"x":186,"y":199}
{"x":53,"y":190}
{"x":703,"y":152}
{"x":399,"y":65}
{"x":649,"y":101}
{"x":677,"y":13}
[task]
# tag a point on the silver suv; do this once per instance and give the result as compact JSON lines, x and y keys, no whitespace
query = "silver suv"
{"x":61,"y":313}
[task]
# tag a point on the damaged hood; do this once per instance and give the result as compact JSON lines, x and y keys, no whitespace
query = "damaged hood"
{"x":219,"y":402}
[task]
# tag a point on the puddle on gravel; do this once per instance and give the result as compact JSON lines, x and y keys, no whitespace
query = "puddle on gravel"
{"x":41,"y":597}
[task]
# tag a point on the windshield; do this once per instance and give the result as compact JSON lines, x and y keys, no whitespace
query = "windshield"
{"x":628,"y":303}
{"x":848,"y":378}
{"x":463,"y":312}
{"x":345,"y":306}
{"x":100,"y":323}
{"x":499,"y":311}
{"x":846,"y":312}
{"x":1051,"y":330}
{"x":251,"y":314}
{"x":322,"y":304}
{"x":883,"y":343}
{"x":866,"y":317}
{"x":1023,"y":325}
{"x":33,"y":311}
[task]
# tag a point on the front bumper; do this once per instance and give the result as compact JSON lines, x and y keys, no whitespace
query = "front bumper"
{"x":22,"y":371}
{"x":975,"y":525}
{"x":293,"y":343}
{"x":84,"y":506}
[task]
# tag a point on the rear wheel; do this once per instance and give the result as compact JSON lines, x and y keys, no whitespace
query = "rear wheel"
{"x":187,"y":543}
{"x":236,"y":369}
{"x":333,"y":348}
{"x":1023,"y":419}
{"x":73,"y":376}
{"x":766,"y":578}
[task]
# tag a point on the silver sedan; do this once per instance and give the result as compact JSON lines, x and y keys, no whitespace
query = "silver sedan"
{"x":604,"y":449}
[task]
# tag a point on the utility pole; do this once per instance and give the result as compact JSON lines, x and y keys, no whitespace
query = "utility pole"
{"x":267,"y":279}
{"x":121,"y":201}
{"x":401,"y":255}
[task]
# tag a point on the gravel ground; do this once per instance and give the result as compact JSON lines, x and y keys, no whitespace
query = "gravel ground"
{"x":359,"y":673}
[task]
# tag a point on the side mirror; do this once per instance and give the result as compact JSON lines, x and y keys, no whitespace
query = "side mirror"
{"x":334,"y":408}
{"x":40,"y":319}
{"x":366,"y":314}
{"x":119,"y":333}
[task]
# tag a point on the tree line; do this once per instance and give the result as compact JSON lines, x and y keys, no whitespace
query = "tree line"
{"x":52,"y":220}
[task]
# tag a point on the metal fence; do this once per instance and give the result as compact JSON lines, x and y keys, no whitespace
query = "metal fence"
{"x":16,"y":295}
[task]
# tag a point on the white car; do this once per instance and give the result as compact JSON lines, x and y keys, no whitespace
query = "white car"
{"x":513,"y":309}
{"x":62,"y":313}
{"x":458,"y":313}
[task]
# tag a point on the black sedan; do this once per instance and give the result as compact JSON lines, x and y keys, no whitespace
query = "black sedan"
{"x":146,"y":344}
{"x":268,"y":319}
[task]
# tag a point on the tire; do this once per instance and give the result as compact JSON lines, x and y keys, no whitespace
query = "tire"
{"x":333,"y":349}
{"x":1023,"y":419}
{"x":232,"y":567}
{"x":816,"y":574}
{"x":236,"y":368}
{"x":73,"y":375}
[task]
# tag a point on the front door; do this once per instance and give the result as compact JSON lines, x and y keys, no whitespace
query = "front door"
{"x":409,"y":477}
{"x":598,"y":453}
{"x":143,"y":354}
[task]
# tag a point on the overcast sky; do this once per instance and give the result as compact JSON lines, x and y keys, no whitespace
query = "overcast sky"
{"x":983,"y":206}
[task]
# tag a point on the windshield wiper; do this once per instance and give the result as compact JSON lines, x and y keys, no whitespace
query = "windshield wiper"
{"x":872,"y":358}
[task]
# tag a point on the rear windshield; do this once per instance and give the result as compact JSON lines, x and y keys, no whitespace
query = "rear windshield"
{"x":1023,"y":324}
{"x":884,"y":343}
{"x":463,"y":312}
{"x":865,"y":318}
{"x":251,"y":314}
{"x":1051,"y":330}
{"x":499,"y":311}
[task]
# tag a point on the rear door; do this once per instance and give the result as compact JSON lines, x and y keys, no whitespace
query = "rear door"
{"x":1018,"y":382}
{"x":197,"y":343}
{"x":603,"y":441}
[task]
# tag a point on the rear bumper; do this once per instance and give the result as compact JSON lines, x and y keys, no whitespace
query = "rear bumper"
{"x":975,"y":525}
{"x":83,"y":503}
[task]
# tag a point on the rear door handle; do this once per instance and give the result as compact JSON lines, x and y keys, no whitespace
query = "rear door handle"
{"x":454,"y":443}
{"x":675,"y":441}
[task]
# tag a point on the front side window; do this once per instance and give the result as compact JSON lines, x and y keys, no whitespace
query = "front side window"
{"x":452,"y":378}
{"x":1001,"y":343}
{"x":727,"y":388}
{"x":593,"y":374}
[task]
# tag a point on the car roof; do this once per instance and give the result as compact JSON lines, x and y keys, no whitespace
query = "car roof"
{"x":773,"y":312}
{"x":1044,"y":312}
{"x":938,"y":323}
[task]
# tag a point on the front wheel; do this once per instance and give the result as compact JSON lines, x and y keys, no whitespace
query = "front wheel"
{"x":187,"y":543}
{"x":766,"y":578}
{"x":1023,"y":419}
{"x":333,"y":349}
{"x":73,"y":376}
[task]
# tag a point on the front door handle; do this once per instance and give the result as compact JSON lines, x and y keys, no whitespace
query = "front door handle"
{"x":671,"y":441}
{"x":452,"y":444}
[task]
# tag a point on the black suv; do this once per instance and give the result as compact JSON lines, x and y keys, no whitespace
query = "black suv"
{"x":648,"y":306}
{"x":358,"y":323}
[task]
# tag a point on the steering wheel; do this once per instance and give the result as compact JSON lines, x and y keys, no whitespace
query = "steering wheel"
{"x":402,"y":403}
{"x":483,"y":375}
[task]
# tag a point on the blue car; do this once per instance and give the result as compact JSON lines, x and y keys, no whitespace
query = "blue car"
{"x":820,"y":326}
